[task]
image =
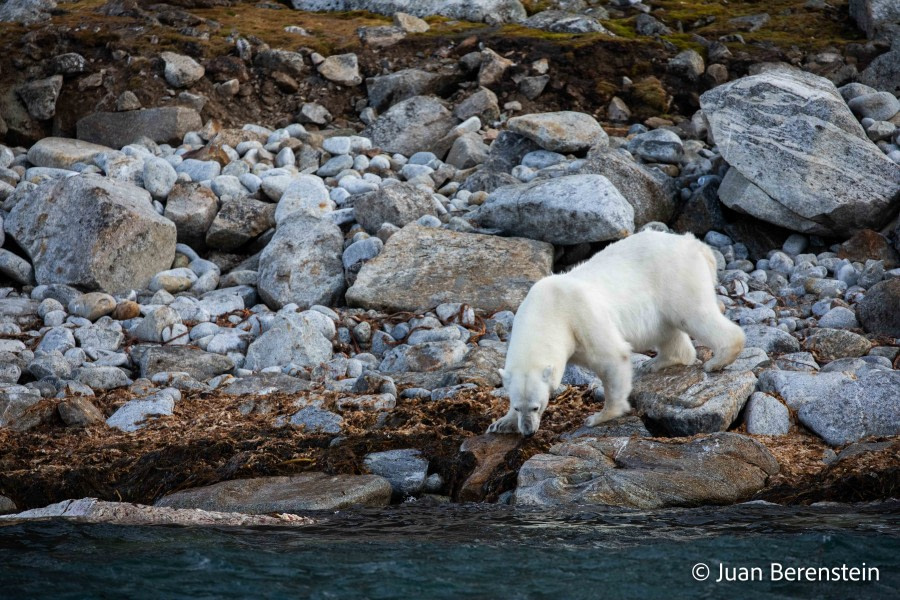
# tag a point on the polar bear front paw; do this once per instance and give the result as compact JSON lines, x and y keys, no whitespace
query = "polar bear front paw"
{"x":506,"y":424}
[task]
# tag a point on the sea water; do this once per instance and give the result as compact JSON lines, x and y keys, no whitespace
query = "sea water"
{"x":469,"y":551}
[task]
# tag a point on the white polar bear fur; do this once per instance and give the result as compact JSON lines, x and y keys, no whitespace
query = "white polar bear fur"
{"x":649,"y":291}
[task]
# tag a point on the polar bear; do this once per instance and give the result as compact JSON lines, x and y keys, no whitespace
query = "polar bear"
{"x":648,"y":291}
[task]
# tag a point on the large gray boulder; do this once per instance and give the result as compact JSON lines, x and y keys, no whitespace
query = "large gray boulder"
{"x":237,"y":222}
{"x":421,"y":267}
{"x":883,"y":73}
{"x":200,"y":365}
{"x":398,"y":204}
{"x":134,"y":414}
{"x":302,"y":263}
{"x":879,"y":311}
{"x":27,"y":12}
{"x":770,"y":339}
{"x":21,"y":311}
{"x":840,"y":407}
{"x":181,"y":70}
{"x":413,"y":125}
{"x":92,"y":232}
{"x":287,"y":494}
{"x":286,"y":61}
{"x":507,"y":151}
{"x":15,"y":400}
{"x":63,"y":153}
{"x":193,"y":208}
{"x":765,"y":415}
{"x":650,"y":192}
{"x":565,"y":210}
{"x":342,"y":69}
{"x":799,"y":158}
{"x":405,"y":469}
{"x":878,"y":18}
{"x":385,"y":90}
{"x":560,"y":21}
{"x":490,"y":11}
{"x":302,"y":339}
{"x":427,"y":356}
{"x":721,"y":468}
{"x":167,"y":124}
{"x":686,"y":400}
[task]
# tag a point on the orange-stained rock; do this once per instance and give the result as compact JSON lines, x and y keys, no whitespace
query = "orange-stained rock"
{"x":489,"y":451}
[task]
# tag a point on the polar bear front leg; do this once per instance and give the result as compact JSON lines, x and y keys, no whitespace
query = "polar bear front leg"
{"x":509,"y":423}
{"x":616,"y":377}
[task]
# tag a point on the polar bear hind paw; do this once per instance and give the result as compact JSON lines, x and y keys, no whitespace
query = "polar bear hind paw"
{"x":713,"y":365}
{"x":607,"y":414}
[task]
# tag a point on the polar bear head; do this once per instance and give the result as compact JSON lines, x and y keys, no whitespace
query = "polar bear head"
{"x":529,"y":394}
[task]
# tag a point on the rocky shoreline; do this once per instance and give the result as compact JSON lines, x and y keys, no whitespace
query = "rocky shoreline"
{"x":316,"y":311}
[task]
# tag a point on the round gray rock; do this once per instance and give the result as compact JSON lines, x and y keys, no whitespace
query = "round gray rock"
{"x":302,"y":263}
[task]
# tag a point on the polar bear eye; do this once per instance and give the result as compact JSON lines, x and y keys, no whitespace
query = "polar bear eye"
{"x":517,"y":410}
{"x":534,"y":409}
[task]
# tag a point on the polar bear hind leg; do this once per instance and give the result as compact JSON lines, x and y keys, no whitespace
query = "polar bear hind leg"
{"x":675,"y":349}
{"x":716,"y":332}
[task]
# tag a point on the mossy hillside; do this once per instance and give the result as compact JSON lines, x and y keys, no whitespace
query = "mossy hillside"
{"x":791,"y":24}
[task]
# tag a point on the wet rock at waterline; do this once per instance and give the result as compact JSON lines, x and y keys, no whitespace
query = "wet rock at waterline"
{"x":302,"y":492}
{"x":638,"y":473}
{"x":91,"y":510}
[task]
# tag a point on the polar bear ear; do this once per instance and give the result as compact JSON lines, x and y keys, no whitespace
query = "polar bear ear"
{"x":502,"y":374}
{"x":547,"y":375}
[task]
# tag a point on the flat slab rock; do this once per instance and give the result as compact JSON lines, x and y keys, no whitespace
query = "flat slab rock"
{"x":166,"y":124}
{"x":91,"y":510}
{"x":197,"y":363}
{"x":686,"y":400}
{"x":63,"y":153}
{"x":571,"y":209}
{"x":564,"y":131}
{"x":306,"y":491}
{"x":21,"y":311}
{"x":627,"y":426}
{"x":721,"y":468}
{"x":421,"y":267}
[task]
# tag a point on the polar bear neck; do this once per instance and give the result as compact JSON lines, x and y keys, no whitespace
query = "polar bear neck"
{"x":541,"y":336}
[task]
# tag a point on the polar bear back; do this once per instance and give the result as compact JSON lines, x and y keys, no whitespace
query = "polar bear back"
{"x":649,"y":261}
{"x":644,"y":284}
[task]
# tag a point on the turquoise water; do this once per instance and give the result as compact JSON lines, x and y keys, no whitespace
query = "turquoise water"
{"x":461,"y":551}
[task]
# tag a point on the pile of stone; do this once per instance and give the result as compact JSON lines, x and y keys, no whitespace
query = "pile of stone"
{"x":389,"y":264}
